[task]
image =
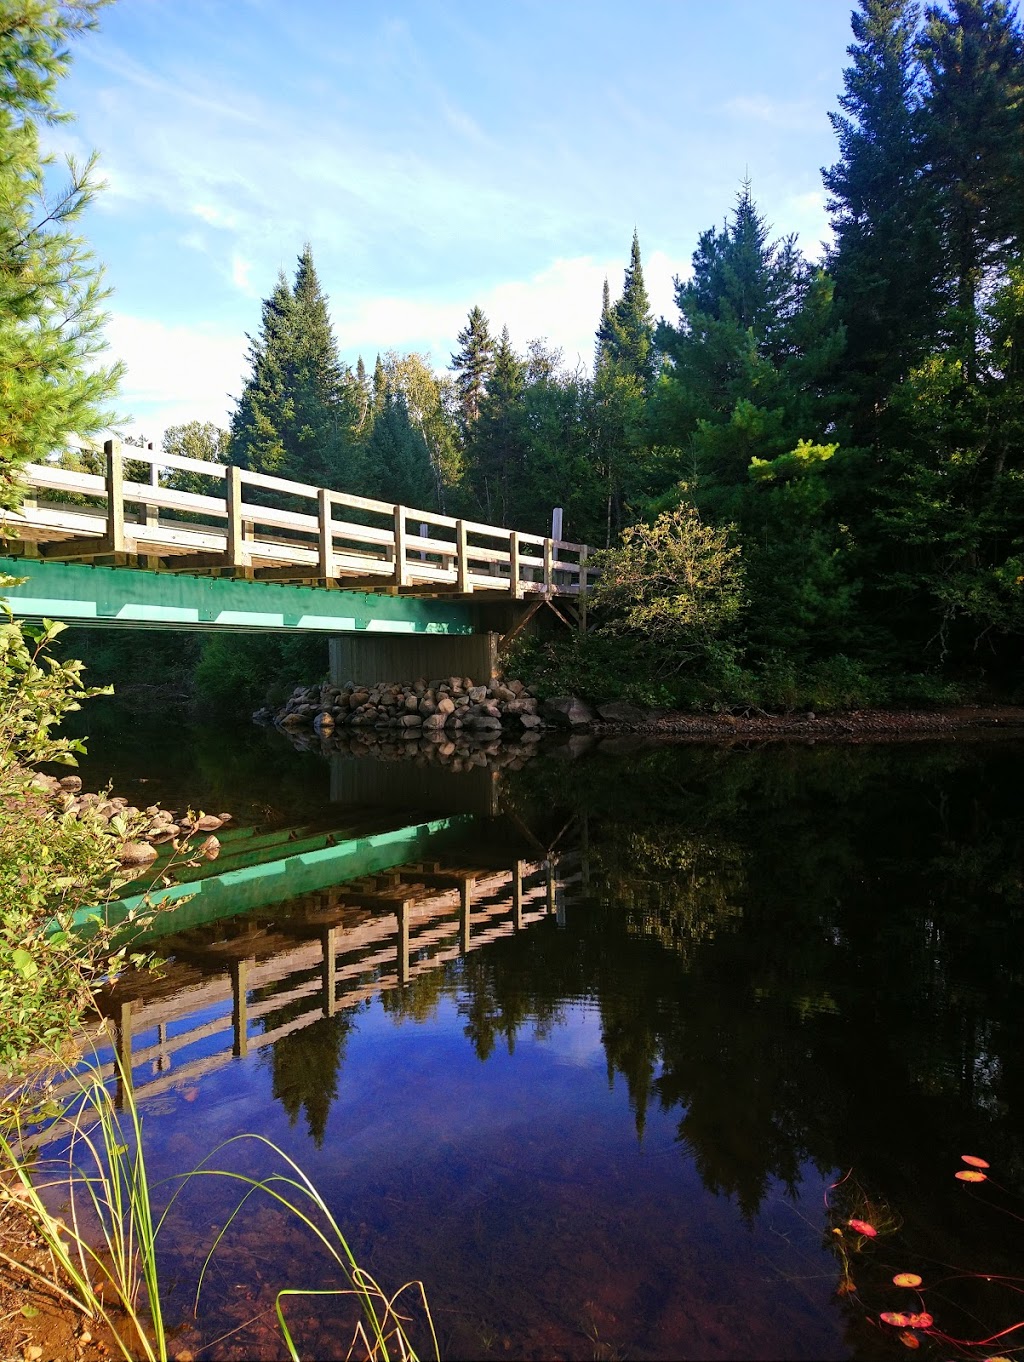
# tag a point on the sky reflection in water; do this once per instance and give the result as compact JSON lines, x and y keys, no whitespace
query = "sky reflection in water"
{"x":612,"y":1133}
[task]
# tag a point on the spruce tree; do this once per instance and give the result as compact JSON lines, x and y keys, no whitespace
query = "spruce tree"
{"x":603,"y":338}
{"x":264,"y":413}
{"x":626,"y":335}
{"x":324,"y":401}
{"x":471,"y":365}
{"x":51,"y":295}
{"x":396,"y":461}
{"x":973,"y":60}
{"x":884,"y":259}
{"x":499,"y":443}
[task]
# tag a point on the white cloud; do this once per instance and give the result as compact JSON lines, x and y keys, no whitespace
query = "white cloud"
{"x":561,"y":302}
{"x":176,"y":373}
{"x":241,"y":275}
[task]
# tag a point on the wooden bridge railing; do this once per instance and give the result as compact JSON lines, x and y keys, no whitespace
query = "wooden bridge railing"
{"x":401,"y":924}
{"x":390,"y":547}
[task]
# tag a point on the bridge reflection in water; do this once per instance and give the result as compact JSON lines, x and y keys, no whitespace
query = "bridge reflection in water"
{"x":313,"y":922}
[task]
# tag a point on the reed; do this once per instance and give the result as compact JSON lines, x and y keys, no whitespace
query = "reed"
{"x":104,"y":1255}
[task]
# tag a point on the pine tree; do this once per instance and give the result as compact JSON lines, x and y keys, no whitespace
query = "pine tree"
{"x":499,"y":437}
{"x":973,"y":59}
{"x":396,"y":460}
{"x":51,"y":296}
{"x":626,"y":334}
{"x":297,"y":413}
{"x":325,"y":403}
{"x":885,"y":255}
{"x":264,"y":412}
{"x":471,"y":365}
{"x":603,"y":339}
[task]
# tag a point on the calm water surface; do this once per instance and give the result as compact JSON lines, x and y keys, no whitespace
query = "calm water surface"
{"x":741,"y":976}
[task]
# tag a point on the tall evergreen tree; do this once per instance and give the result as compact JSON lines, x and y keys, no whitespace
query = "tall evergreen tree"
{"x":265,"y":410}
{"x":299,"y":407}
{"x":884,"y":259}
{"x":51,"y":296}
{"x":499,"y":438}
{"x":471,"y":365}
{"x":325,"y":403}
{"x":973,"y":58}
{"x":396,"y":460}
{"x":626,"y":334}
{"x":602,"y":341}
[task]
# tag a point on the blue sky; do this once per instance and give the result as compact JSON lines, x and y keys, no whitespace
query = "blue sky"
{"x":437,"y":154}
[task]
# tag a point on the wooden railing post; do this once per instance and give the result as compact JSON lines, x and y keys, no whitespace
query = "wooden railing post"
{"x":329,"y":969}
{"x":517,"y":896}
{"x":240,"y":1007}
{"x":115,"y":495}
{"x":402,"y":915}
{"x":238,"y":554}
{"x":516,"y":586}
{"x":583,"y":589}
{"x":325,"y":515}
{"x":465,"y":914}
{"x":549,"y":565}
{"x":462,"y":562}
{"x":401,"y":569}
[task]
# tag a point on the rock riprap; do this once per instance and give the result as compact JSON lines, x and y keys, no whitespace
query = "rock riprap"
{"x":447,"y":705}
{"x":149,"y":827}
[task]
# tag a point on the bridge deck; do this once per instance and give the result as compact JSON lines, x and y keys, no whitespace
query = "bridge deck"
{"x":272,"y":529}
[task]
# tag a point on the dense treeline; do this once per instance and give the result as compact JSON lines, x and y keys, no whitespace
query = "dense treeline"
{"x":853,"y":426}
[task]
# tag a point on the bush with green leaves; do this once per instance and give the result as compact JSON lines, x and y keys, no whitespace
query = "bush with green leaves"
{"x":53,"y":860}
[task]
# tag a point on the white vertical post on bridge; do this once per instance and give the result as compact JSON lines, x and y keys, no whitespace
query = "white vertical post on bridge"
{"x":550,"y":552}
{"x":424,"y":534}
{"x":556,"y":523}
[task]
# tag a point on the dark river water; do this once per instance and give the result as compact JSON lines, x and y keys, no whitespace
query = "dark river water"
{"x":712,"y":1004}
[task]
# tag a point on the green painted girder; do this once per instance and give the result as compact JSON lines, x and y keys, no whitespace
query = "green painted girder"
{"x":81,"y":594}
{"x":241,"y":890}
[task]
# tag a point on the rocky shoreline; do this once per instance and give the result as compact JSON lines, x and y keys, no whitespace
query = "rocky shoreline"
{"x":455,"y":710}
{"x":139,"y":831}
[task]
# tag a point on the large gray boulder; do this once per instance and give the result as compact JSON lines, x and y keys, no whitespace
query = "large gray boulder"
{"x":621,"y":712}
{"x":567,"y":712}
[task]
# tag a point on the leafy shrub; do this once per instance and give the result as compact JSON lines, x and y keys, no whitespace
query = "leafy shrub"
{"x":51,"y":862}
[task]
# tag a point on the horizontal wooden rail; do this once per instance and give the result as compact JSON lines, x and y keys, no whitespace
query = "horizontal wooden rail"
{"x":74,"y":515}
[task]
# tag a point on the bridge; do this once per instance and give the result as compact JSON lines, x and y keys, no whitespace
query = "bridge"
{"x":266,"y":553}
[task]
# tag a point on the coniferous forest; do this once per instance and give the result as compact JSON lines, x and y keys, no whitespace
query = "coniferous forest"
{"x":831,"y":449}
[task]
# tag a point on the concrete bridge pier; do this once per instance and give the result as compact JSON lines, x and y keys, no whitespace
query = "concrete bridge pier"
{"x":371,"y":657}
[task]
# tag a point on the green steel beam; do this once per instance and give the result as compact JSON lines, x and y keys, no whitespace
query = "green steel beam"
{"x":132,"y":598}
{"x":209,"y":899}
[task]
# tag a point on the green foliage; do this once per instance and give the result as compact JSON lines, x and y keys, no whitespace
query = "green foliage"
{"x":676,"y":585}
{"x":51,"y":293}
{"x":472,"y":364}
{"x":51,"y":862}
{"x":237,"y":673}
{"x":300,"y":406}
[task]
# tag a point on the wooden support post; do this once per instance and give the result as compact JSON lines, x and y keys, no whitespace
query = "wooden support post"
{"x":465,"y":914}
{"x":238,"y":554}
{"x":401,"y":569}
{"x":163,"y":1059}
{"x":516,"y":586}
{"x":402,"y":914}
{"x":551,"y":886}
{"x":115,"y":495}
{"x":517,"y":896}
{"x":240,"y":1007}
{"x":329,"y":967}
{"x":549,"y":565}
{"x":326,"y":517}
{"x":462,"y":561}
{"x":583,"y":589}
{"x":123,"y":1048}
